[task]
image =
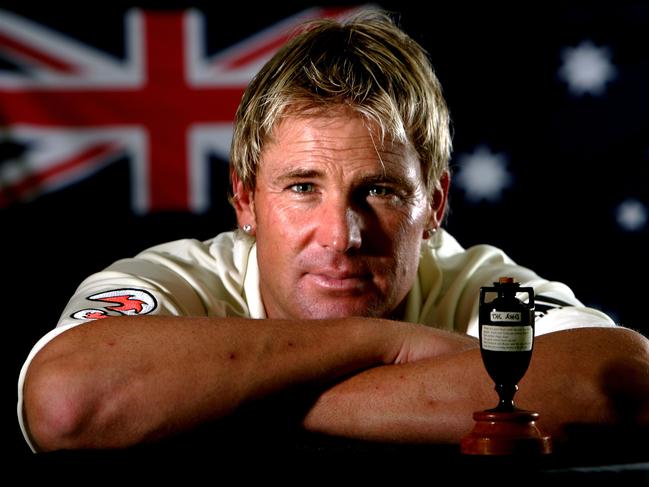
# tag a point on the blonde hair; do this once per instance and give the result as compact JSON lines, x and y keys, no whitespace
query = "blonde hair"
{"x":365,"y":62}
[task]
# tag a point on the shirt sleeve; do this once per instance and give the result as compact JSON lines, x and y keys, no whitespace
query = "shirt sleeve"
{"x":182,"y":278}
{"x":446,"y":293}
{"x":117,"y":292}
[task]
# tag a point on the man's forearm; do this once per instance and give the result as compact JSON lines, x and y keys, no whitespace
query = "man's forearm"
{"x":571,"y":379}
{"x":431,"y":400}
{"x":117,"y":382}
{"x":114,"y":383}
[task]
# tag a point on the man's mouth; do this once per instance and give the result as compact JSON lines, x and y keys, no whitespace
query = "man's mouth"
{"x":339,"y":280}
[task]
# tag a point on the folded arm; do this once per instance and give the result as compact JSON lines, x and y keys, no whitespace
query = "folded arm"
{"x":581,"y":376}
{"x":117,"y":382}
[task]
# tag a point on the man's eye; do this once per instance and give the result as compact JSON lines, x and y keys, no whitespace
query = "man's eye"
{"x":379,"y":191}
{"x":302,"y":187}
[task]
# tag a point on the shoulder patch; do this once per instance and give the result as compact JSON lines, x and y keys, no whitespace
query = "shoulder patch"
{"x":129,"y":302}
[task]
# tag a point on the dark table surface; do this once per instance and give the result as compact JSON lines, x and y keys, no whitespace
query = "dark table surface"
{"x":591,"y":457}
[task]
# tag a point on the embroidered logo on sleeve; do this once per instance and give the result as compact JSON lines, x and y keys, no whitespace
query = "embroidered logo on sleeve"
{"x":129,"y":302}
{"x":90,"y":314}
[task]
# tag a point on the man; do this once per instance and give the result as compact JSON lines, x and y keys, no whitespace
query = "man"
{"x":340,"y":280}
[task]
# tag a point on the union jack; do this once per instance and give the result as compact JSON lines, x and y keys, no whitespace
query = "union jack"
{"x":166,"y":104}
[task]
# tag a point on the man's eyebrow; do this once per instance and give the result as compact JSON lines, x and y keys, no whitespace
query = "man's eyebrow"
{"x":384,"y":178}
{"x":298,"y":173}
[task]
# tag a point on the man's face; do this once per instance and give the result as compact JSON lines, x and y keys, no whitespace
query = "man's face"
{"x":338,"y":219}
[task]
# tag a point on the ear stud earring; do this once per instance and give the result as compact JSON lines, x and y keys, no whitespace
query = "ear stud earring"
{"x":429,"y":232}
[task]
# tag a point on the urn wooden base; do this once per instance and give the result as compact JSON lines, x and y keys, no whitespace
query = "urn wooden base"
{"x":506,"y":433}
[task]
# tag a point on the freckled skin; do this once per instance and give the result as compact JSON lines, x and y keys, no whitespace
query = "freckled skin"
{"x":339,"y":220}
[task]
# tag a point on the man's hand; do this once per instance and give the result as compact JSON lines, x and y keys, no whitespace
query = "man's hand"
{"x":421,"y":342}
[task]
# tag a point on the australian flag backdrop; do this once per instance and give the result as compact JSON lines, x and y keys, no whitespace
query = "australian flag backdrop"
{"x":116,"y":118}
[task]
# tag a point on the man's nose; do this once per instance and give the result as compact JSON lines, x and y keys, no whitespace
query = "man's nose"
{"x":339,"y":228}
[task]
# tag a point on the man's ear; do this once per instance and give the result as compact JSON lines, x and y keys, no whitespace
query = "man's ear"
{"x":438,"y":204}
{"x":440,"y":197}
{"x":244,"y":203}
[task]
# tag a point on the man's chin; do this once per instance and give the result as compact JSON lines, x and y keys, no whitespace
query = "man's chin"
{"x":341,"y":310}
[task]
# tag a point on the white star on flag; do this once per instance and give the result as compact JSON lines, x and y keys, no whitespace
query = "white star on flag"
{"x":587,"y":68}
{"x":631,"y":215}
{"x":483,"y":175}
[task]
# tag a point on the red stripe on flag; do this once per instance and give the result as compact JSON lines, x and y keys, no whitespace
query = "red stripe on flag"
{"x":24,"y":51}
{"x":169,"y":186}
{"x":35,"y":181}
